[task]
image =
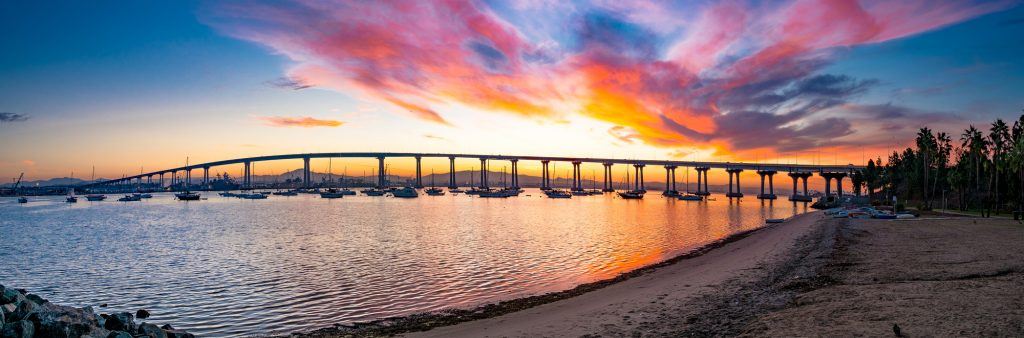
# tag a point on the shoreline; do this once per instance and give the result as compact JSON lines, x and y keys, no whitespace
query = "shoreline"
{"x":430,"y":321}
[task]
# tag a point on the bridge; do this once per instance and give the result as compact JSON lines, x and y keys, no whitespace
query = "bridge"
{"x":764,"y":170}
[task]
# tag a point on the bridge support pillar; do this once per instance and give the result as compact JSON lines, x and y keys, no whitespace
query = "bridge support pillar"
{"x":515,"y":174}
{"x":419,"y":174}
{"x":247,"y":175}
{"x":161,"y":180}
{"x":770,"y":195}
{"x":545,"y":176}
{"x":483,"y":173}
{"x":670,"y":181}
{"x":702,"y":181}
{"x":381,"y":175}
{"x":638,"y":184}
{"x":608,"y":181}
{"x":737,"y":193}
{"x":796,"y":196}
{"x":451,"y":173}
{"x":577,"y":181}
{"x":188,"y":178}
{"x":307,"y":181}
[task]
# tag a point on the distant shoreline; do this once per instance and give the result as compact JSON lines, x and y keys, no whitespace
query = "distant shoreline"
{"x":431,"y":320}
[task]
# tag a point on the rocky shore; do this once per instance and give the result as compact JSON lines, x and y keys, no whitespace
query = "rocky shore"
{"x":24,"y":315}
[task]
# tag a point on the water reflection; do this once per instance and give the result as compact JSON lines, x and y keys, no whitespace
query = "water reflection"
{"x":234,"y":267}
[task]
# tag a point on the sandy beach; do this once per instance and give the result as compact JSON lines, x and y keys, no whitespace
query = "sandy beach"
{"x":811,"y":276}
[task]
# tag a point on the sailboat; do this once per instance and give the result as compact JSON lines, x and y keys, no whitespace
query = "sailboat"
{"x":433,"y":190}
{"x":187,"y":195}
{"x":555,"y":192}
{"x":689,"y":196}
{"x":630,"y":194}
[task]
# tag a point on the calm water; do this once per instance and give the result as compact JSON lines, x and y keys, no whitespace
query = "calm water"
{"x":228,"y":267}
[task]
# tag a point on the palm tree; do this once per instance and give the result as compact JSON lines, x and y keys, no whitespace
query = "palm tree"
{"x":999,"y":135}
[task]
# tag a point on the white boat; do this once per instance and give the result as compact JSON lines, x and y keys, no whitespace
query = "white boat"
{"x":434,"y":191}
{"x":690,"y":197}
{"x":406,"y":192}
{"x":331,"y":193}
{"x":554,"y":193}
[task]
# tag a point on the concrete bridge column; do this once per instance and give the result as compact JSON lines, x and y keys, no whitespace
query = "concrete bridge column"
{"x":828,"y":184}
{"x":515,"y":174}
{"x":576,"y":180}
{"x":670,"y":180}
{"x":188,"y":178}
{"x":805,"y":184}
{"x":608,"y":181}
{"x":642,"y":188}
{"x":702,"y":181}
{"x":738,"y":192}
{"x":381,"y":175}
{"x":306,"y":173}
{"x":149,"y":179}
{"x":839,"y":183}
{"x":483,"y":173}
{"x":247,"y":174}
{"x":451,"y":173}
{"x":161,"y":180}
{"x":770,"y":195}
{"x":545,"y":176}
{"x":419,"y":174}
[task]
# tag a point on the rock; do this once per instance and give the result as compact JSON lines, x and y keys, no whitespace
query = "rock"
{"x":103,"y":305}
{"x":142,"y":314}
{"x":121,"y":321}
{"x":167,"y":327}
{"x":151,"y":331}
{"x":52,"y":320}
{"x":18,"y":329}
{"x":36,"y":298}
{"x":8,"y":296}
{"x":119,"y":334}
{"x":24,"y":308}
{"x":178,"y":334}
{"x":8,"y":308}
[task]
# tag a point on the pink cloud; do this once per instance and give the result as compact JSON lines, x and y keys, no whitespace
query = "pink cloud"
{"x":306,"y":122}
{"x":623,"y":63}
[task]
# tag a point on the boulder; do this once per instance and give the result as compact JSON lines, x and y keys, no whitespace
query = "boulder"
{"x":178,"y":334}
{"x":8,"y":309}
{"x":142,"y":314}
{"x":151,"y":331}
{"x":121,"y":321}
{"x":8,"y":295}
{"x":23,"y":310}
{"x":52,"y":320}
{"x":18,"y":329}
{"x":119,"y":334}
{"x":36,"y":298}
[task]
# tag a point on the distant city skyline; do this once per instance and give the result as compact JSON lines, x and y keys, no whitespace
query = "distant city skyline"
{"x":126,"y":87}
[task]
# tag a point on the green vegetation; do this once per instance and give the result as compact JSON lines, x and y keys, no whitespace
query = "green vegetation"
{"x":984,"y":172}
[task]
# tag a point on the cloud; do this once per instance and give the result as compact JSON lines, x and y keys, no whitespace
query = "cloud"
{"x":734,"y":75}
{"x":29,"y":163}
{"x":12,"y":117}
{"x":435,"y":137}
{"x":288,"y":83}
{"x":306,"y":122}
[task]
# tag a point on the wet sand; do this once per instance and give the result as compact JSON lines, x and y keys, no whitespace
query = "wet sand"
{"x":653,"y":303}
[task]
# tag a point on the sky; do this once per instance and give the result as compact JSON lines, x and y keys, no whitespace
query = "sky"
{"x":125,"y":87}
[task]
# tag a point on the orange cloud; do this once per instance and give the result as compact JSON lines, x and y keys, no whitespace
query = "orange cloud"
{"x":305,"y":122}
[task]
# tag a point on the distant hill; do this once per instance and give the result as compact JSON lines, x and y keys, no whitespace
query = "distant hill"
{"x":48,"y":182}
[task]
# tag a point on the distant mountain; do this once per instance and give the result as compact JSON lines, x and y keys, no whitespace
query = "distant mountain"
{"x":49,"y":182}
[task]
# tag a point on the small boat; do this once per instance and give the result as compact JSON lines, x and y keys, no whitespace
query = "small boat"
{"x":253,"y":196}
{"x":884,"y":216}
{"x":95,"y":198}
{"x":671,"y":193}
{"x":331,"y":193}
{"x":774,"y":220}
{"x":476,"y":191}
{"x":130,"y":198}
{"x":71,"y":199}
{"x":22,"y":200}
{"x":145,"y":195}
{"x":496,"y":194}
{"x":406,"y":192}
{"x":905,"y":216}
{"x":187,"y":196}
{"x":632,"y":194}
{"x":434,"y":191}
{"x":456,"y":191}
{"x":287,"y":193}
{"x":265,"y":192}
{"x":554,"y":193}
{"x":690,"y":197}
{"x":374,"y":192}
{"x":347,"y":191}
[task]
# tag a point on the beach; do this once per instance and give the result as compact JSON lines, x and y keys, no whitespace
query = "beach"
{"x":810,"y":276}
